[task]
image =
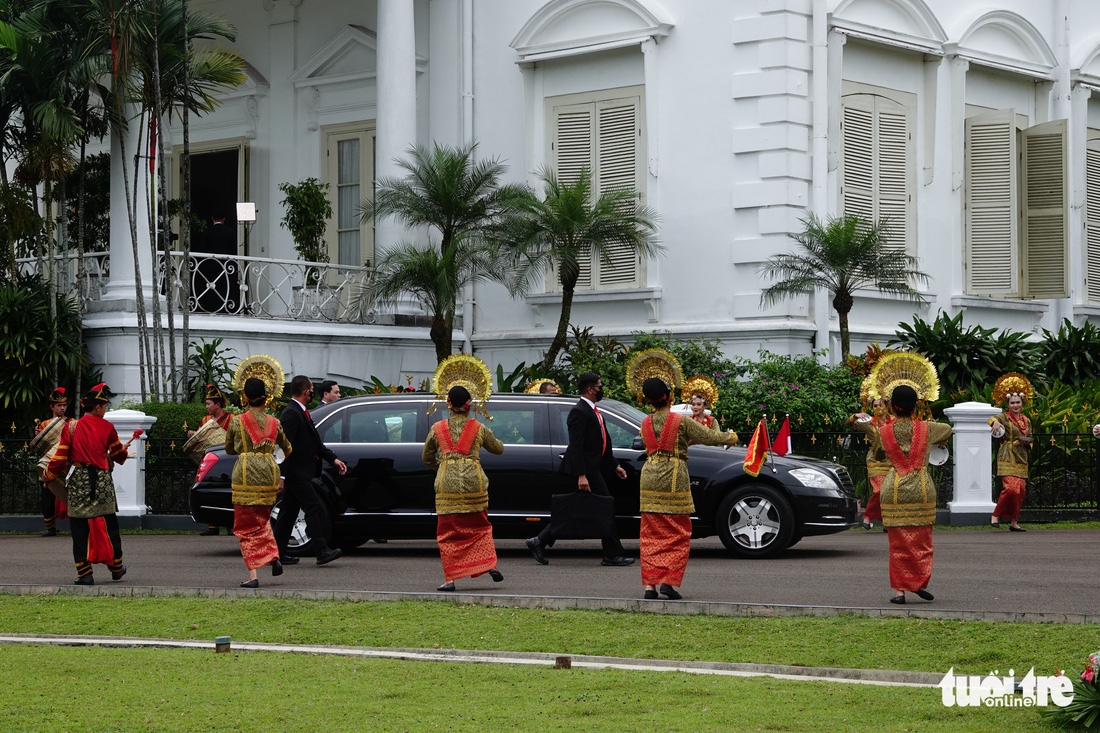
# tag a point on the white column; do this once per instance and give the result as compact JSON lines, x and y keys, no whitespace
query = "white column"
{"x":121,"y":285}
{"x":973,"y":487}
{"x":129,"y":478}
{"x":396,"y":116}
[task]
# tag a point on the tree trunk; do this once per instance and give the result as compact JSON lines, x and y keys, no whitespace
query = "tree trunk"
{"x":51,"y":262}
{"x":843,"y":302}
{"x":81,"y":275}
{"x":563,"y":327}
{"x":440,"y":334}
{"x":185,"y":214}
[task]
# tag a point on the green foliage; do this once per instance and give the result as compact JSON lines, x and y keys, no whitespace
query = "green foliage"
{"x":171,"y":417}
{"x":818,"y":397}
{"x":603,"y":355}
{"x":966,"y":356}
{"x":308,"y":210}
{"x":96,"y":170}
{"x":514,"y":382}
{"x":30,"y":340}
{"x":209,"y":364}
{"x":1072,"y":355}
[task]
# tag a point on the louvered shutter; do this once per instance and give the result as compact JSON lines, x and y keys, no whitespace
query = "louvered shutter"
{"x":574,"y":146}
{"x":1045,"y":210}
{"x":893,"y":171}
{"x":857,"y":169}
{"x":1092,"y":220}
{"x":991,"y":203}
{"x":617,"y":169}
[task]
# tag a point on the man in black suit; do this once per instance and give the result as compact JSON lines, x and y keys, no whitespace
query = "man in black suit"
{"x":588,"y":458}
{"x":299,"y":469}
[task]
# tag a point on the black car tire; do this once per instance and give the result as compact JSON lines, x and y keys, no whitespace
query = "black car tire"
{"x":300,"y":542}
{"x":755,"y":521}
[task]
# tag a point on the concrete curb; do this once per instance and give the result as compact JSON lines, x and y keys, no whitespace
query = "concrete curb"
{"x":635,"y":605}
{"x":884,"y":677}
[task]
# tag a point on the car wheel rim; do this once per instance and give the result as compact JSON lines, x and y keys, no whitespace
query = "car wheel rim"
{"x":298,"y":534}
{"x":754,"y":522}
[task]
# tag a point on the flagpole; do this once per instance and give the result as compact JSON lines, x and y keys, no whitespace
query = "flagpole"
{"x":767,"y":434}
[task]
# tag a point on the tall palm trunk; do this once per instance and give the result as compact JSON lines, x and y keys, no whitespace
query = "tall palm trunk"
{"x":440,"y":334}
{"x":185,"y":216}
{"x":843,"y":302}
{"x":81,"y":275}
{"x":139,"y":305}
{"x":568,"y":288}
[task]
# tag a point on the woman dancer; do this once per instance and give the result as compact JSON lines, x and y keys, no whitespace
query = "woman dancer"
{"x":666,"y":502}
{"x":463,"y":531}
{"x":252,"y":437}
{"x":1014,"y":430}
{"x":700,"y":392}
{"x":876,"y":469}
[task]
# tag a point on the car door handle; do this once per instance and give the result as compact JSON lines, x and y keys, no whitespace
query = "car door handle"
{"x":561,"y":455}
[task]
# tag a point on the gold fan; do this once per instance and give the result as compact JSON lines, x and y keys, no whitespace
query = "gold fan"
{"x":908,"y":368}
{"x":264,"y":368}
{"x":534,"y":387}
{"x":463,"y":370}
{"x":700,"y":386}
{"x":653,"y":363}
{"x":1011,"y":384}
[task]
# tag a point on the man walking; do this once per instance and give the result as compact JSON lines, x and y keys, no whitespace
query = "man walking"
{"x":299,"y":469}
{"x":589,"y":459}
{"x":44,"y":444}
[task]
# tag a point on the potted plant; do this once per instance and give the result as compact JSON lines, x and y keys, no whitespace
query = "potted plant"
{"x":308,"y":210}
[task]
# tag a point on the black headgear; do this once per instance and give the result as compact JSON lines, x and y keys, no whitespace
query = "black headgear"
{"x":655,"y":389}
{"x":254,"y":388}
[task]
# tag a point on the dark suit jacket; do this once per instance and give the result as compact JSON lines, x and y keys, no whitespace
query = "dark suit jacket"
{"x":307,"y":450}
{"x":585,"y":453}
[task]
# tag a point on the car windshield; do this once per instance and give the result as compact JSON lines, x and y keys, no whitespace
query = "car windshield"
{"x":631,"y":413}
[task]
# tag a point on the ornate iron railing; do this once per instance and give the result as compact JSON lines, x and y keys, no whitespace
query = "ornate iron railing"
{"x":86,"y":287}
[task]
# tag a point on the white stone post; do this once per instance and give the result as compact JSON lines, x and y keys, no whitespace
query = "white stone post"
{"x":973,"y":499}
{"x":129,"y":478}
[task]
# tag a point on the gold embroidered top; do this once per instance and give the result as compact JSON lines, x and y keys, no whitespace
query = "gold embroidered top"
{"x":875,"y":467}
{"x":1012,"y":455}
{"x":461,"y":486}
{"x":665,"y":483}
{"x":252,"y":437}
{"x":909,"y":498}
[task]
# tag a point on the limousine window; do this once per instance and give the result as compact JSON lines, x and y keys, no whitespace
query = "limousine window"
{"x":622,"y":432}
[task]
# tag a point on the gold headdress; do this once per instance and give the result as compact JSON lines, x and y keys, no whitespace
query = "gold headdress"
{"x":463,"y":370}
{"x":1011,"y":384}
{"x":653,"y":363}
{"x":908,"y":368}
{"x":865,"y":392}
{"x":535,"y":386}
{"x":700,"y":386}
{"x":264,"y":368}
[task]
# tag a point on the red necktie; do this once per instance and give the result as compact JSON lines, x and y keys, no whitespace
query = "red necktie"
{"x":603,"y":431}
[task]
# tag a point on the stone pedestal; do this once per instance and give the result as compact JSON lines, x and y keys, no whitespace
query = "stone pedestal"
{"x":973,"y":499}
{"x":129,"y":478}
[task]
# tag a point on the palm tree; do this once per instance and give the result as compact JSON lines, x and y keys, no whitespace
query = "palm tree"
{"x":564,"y":230}
{"x":459,"y":198}
{"x":842,"y":255}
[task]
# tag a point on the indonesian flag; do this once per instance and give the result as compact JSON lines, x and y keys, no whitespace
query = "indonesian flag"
{"x":782,"y":444}
{"x":757,"y":450}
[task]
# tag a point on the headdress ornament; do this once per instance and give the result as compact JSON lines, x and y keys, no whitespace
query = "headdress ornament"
{"x":865,"y":391}
{"x":57,"y":397}
{"x":264,"y":368}
{"x":653,"y":363}
{"x":908,"y":368}
{"x":213,"y":393}
{"x":464,"y":370}
{"x":97,"y":395}
{"x":700,"y":386}
{"x":535,"y":386}
{"x":1012,"y":384}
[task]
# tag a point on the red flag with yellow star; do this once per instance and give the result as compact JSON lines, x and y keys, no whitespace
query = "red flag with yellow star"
{"x":758,"y":449}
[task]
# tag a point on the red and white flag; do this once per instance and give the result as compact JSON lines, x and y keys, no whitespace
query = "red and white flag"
{"x":782,"y":444}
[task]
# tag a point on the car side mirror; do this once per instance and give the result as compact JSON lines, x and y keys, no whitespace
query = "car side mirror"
{"x":638,"y":443}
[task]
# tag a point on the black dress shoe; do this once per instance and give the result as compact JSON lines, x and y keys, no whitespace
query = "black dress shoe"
{"x":617,"y":561}
{"x":1016,"y":529}
{"x":496,"y":575}
{"x":328,"y":556}
{"x":668,"y":590}
{"x":276,"y":568}
{"x":254,"y":583}
{"x":535,"y":547}
{"x":926,"y":595}
{"x":897,"y":599}
{"x":650,"y":595}
{"x":290,"y":560}
{"x":49,"y":533}
{"x":995,"y":525}
{"x":117,"y":574}
{"x":448,"y":587}
{"x":85,"y":580}
{"x":867,"y":525}
{"x":210,"y":531}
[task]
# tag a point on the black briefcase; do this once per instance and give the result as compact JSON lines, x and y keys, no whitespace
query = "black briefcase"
{"x":582,"y":515}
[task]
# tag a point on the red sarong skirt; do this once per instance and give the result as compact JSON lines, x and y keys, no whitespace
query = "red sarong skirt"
{"x":1011,"y":498}
{"x":252,"y":525}
{"x":665,"y":545}
{"x":873,"y":511}
{"x":466,"y":544}
{"x":910,"y":557}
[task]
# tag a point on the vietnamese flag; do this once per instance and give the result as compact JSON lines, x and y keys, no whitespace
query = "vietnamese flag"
{"x":782,"y":444}
{"x":757,"y":450}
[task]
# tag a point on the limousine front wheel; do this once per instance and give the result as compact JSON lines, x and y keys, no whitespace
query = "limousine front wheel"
{"x":300,"y":542}
{"x":755,"y":521}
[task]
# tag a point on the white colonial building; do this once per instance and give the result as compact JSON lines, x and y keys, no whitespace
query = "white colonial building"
{"x":972,"y":124}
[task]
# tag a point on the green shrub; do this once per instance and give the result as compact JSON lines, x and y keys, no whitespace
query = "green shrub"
{"x":1072,"y":355}
{"x":171,"y":417}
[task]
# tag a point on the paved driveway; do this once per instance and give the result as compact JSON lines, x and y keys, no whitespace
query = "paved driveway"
{"x":1042,"y":571}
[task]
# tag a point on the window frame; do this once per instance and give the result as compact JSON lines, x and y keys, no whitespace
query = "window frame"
{"x":331,"y":136}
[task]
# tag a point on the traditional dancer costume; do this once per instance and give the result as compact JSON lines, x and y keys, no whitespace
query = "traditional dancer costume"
{"x":1012,"y":456}
{"x":44,"y":444}
{"x":876,"y":469}
{"x":703,"y":387}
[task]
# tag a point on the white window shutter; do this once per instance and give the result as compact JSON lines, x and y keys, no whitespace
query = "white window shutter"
{"x":1092,"y":220}
{"x":857,"y":168}
{"x":991,"y":204}
{"x":893,"y":171}
{"x":574,"y":147}
{"x":1045,"y":210}
{"x":617,"y":169}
